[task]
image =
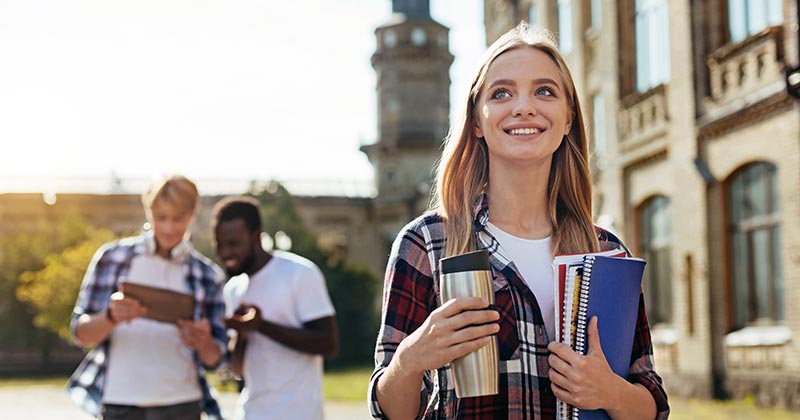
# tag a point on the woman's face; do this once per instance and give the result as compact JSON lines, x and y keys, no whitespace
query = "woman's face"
{"x":170,"y":224}
{"x":522,"y":110}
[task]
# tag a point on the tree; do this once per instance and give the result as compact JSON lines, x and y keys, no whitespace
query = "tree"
{"x":27,"y":251}
{"x":352,"y":288}
{"x":51,"y":291}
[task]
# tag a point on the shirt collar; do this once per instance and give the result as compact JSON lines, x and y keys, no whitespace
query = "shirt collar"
{"x":480,"y":211}
{"x":179,"y":254}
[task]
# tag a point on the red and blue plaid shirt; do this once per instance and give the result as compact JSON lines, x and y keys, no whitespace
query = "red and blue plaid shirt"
{"x":411,"y":293}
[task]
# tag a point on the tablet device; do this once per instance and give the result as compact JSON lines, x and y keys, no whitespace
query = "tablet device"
{"x":162,"y":304}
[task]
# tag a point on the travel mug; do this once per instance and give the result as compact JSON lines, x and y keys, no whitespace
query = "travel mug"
{"x":467,"y":275}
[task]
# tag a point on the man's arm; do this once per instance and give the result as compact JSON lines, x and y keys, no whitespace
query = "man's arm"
{"x":237,"y":346}
{"x":318,"y":336}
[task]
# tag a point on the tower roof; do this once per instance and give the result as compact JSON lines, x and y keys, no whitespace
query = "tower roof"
{"x":412,"y":9}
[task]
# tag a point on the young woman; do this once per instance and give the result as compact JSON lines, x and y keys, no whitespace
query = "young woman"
{"x":513,"y":180}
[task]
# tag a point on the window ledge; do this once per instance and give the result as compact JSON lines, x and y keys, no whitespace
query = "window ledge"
{"x":664,"y":335}
{"x":759,"y":336}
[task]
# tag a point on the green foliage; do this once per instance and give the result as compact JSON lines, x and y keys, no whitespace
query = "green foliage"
{"x":51,"y":291}
{"x":28,"y":251}
{"x":347,"y":384}
{"x":353,"y":289}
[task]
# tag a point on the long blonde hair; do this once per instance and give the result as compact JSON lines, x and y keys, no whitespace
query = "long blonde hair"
{"x":463,"y":171}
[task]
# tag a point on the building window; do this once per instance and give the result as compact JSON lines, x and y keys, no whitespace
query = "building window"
{"x":533,"y":15}
{"x":418,"y":37}
{"x":598,"y":129}
{"x":655,"y":227}
{"x":389,"y":38}
{"x":652,"y":43}
{"x":565,"y":26}
{"x":755,"y":260}
{"x":595,"y":14}
{"x":748,"y":17}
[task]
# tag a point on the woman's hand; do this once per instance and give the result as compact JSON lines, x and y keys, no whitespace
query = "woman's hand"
{"x":583,"y":381}
{"x":458,"y":327}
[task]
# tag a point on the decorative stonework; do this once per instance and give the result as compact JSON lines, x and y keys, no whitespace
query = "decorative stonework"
{"x":643,"y":117}
{"x":757,"y":347}
{"x":755,"y":357}
{"x":738,"y":70}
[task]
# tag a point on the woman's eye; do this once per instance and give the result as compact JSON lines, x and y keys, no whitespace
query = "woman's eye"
{"x":545,"y":91}
{"x":500,"y":94}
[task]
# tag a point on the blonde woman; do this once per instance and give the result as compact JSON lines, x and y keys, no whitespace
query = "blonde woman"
{"x":513,"y":180}
{"x":141,"y":368}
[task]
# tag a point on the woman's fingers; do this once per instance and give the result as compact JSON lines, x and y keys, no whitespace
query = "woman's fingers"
{"x":455,"y":306}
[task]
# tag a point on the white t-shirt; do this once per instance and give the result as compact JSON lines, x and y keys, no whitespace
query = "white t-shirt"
{"x":534,"y":262}
{"x":148,"y":363}
{"x":280,"y":382}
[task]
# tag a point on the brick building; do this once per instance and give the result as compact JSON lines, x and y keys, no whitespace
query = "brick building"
{"x":696,"y":163}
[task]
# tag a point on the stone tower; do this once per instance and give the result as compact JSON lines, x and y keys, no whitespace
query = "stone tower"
{"x":412,"y":62}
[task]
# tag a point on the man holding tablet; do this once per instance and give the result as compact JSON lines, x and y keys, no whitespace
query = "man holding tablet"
{"x":145,"y":362}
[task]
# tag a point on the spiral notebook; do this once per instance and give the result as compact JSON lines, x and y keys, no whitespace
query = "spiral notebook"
{"x":606,"y":285}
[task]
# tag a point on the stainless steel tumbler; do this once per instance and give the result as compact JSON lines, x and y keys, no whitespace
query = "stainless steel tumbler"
{"x":467,"y":275}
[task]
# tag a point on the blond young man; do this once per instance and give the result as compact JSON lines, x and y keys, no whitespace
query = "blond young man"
{"x":141,"y":368}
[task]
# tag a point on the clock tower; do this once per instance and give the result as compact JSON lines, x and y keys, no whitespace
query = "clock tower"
{"x":412,"y":62}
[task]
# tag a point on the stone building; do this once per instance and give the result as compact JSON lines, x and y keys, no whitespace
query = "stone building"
{"x":696,"y":163}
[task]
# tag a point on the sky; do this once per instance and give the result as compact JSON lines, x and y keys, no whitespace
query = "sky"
{"x":212,"y":89}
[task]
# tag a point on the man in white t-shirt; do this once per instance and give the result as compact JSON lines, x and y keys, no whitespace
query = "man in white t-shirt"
{"x":278,"y":305}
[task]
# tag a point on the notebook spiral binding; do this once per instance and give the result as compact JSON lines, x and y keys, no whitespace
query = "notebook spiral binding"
{"x":583,"y":304}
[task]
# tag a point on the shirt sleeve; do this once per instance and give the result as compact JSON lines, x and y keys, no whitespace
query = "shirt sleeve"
{"x":311,"y":294}
{"x":215,"y":306}
{"x":407,"y":298}
{"x":96,"y":289}
{"x":642,"y":369}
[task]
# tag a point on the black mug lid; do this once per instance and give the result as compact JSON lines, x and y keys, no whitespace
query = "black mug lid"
{"x":471,"y":261}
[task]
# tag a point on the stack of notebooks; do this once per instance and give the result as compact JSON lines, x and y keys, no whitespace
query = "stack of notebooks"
{"x":603,"y":284}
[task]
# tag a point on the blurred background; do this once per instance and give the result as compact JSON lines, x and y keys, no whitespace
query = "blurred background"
{"x":332,"y":114}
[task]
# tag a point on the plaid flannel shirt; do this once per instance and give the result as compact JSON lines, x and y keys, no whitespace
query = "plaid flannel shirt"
{"x":411,"y":293}
{"x":112,"y":262}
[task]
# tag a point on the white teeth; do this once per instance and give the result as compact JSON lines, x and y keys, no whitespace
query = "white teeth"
{"x":523,"y":131}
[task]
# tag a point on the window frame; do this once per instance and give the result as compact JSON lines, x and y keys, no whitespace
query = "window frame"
{"x":746,"y":302}
{"x":658,"y":291}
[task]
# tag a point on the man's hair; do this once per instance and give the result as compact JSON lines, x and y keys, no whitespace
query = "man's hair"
{"x":175,"y":190}
{"x":232,"y":208}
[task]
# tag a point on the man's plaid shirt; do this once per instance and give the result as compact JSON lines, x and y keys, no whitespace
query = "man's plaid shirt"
{"x":110,"y":263}
{"x":411,"y":293}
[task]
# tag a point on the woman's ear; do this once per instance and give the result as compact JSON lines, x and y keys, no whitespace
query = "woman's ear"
{"x":476,"y":129}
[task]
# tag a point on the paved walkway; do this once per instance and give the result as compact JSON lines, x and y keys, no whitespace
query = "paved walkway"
{"x":47,"y":402}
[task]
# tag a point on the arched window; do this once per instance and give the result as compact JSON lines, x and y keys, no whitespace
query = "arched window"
{"x":754,"y":238}
{"x":655,"y":227}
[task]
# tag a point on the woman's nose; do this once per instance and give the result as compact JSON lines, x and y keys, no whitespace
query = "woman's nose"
{"x":524,"y":106}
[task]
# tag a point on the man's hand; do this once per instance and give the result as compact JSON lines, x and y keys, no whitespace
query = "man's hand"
{"x":197,"y":336}
{"x":245,"y":320}
{"x":122,"y":308}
